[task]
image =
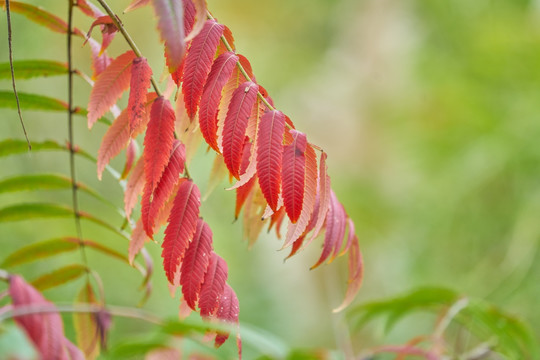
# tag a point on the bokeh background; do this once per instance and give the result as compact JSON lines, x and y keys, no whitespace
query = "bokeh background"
{"x":430,"y":114}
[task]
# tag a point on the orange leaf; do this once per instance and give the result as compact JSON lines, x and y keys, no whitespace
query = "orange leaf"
{"x":115,"y":139}
{"x":109,"y":86}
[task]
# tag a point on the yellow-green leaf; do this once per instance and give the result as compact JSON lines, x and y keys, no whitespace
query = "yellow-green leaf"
{"x":59,"y":277}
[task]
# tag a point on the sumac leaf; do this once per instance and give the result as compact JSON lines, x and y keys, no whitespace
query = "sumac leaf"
{"x":213,"y":285}
{"x":195,"y":263}
{"x":138,"y":87}
{"x":269,"y":155}
{"x":236,"y":122}
{"x":228,"y":310}
{"x":170,"y":16}
{"x":293,"y":175}
{"x":114,"y":141}
{"x":182,"y":226}
{"x":197,"y":64}
{"x":109,"y":86}
{"x":220,"y":73}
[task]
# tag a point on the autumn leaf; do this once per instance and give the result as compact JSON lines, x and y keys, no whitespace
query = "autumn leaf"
{"x":293,"y":175}
{"x":138,"y":87}
{"x":170,"y":25}
{"x":198,"y":62}
{"x":213,"y":285}
{"x":182,"y":226}
{"x":269,"y":155}
{"x":109,"y":86}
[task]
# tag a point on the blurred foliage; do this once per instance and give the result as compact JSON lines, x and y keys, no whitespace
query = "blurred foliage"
{"x":430,"y":114}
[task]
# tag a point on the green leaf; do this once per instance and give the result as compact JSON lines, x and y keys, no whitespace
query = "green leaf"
{"x":31,"y":102}
{"x":176,"y":327}
{"x":30,"y":211}
{"x":59,"y":277}
{"x":27,"y":69}
{"x":107,"y":251}
{"x":40,"y":250}
{"x":513,"y":337}
{"x":46,"y":182}
{"x":427,"y":298}
{"x":136,"y":347}
{"x":15,"y":146}
{"x":42,"y":103}
{"x":40,"y":16}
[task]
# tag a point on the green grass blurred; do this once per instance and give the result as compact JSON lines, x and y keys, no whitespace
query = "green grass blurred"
{"x":430,"y":114}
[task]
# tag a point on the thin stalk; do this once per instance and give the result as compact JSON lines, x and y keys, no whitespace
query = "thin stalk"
{"x":71,"y":111}
{"x":128,"y":38}
{"x":8,"y":14}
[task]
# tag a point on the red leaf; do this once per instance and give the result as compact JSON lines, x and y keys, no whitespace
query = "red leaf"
{"x":189,"y":20}
{"x":182,"y":226}
{"x":236,"y":122}
{"x":170,"y":16}
{"x":356,"y":270}
{"x":99,"y":61}
{"x":153,"y":200}
{"x":228,"y":310}
{"x":158,"y":141}
{"x":195,"y":263}
{"x":45,"y":330}
{"x":109,"y":86}
{"x":221,"y":71}
{"x":213,"y":285}
{"x":335,"y":229}
{"x":197,"y":64}
{"x":134,"y":187}
{"x":296,"y":246}
{"x":295,"y":231}
{"x":232,"y":84}
{"x":227,"y":33}
{"x":115,"y":139}
{"x":269,"y":155}
{"x":277,"y":219}
{"x":293,"y":174}
{"x":138,"y":87}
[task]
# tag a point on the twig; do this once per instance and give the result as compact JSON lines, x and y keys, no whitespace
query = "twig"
{"x":71,"y":110}
{"x":8,"y":13}
{"x":128,"y":38}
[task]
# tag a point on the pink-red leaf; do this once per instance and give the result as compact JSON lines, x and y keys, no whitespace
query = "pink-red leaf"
{"x":197,"y":64}
{"x":213,"y":285}
{"x":335,"y":229}
{"x":100,"y":61}
{"x":220,"y":72}
{"x":109,"y":86}
{"x":196,"y":263}
{"x":293,"y":175}
{"x":131,"y":154}
{"x":108,"y":30}
{"x":269,"y":154}
{"x":138,"y":87}
{"x":243,"y":191}
{"x":154,"y":200}
{"x":324,"y":197}
{"x":170,"y":16}
{"x":228,"y":310}
{"x":182,"y":226}
{"x":46,"y":330}
{"x":295,"y":231}
{"x":356,"y":271}
{"x":158,"y":141}
{"x":115,"y":139}
{"x":236,"y":122}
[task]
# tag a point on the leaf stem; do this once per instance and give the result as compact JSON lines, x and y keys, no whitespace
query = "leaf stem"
{"x":129,"y":40}
{"x":8,"y":14}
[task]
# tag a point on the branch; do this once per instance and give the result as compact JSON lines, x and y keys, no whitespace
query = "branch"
{"x":8,"y":13}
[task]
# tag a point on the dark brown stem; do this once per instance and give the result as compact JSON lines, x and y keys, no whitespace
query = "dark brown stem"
{"x":8,"y":14}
